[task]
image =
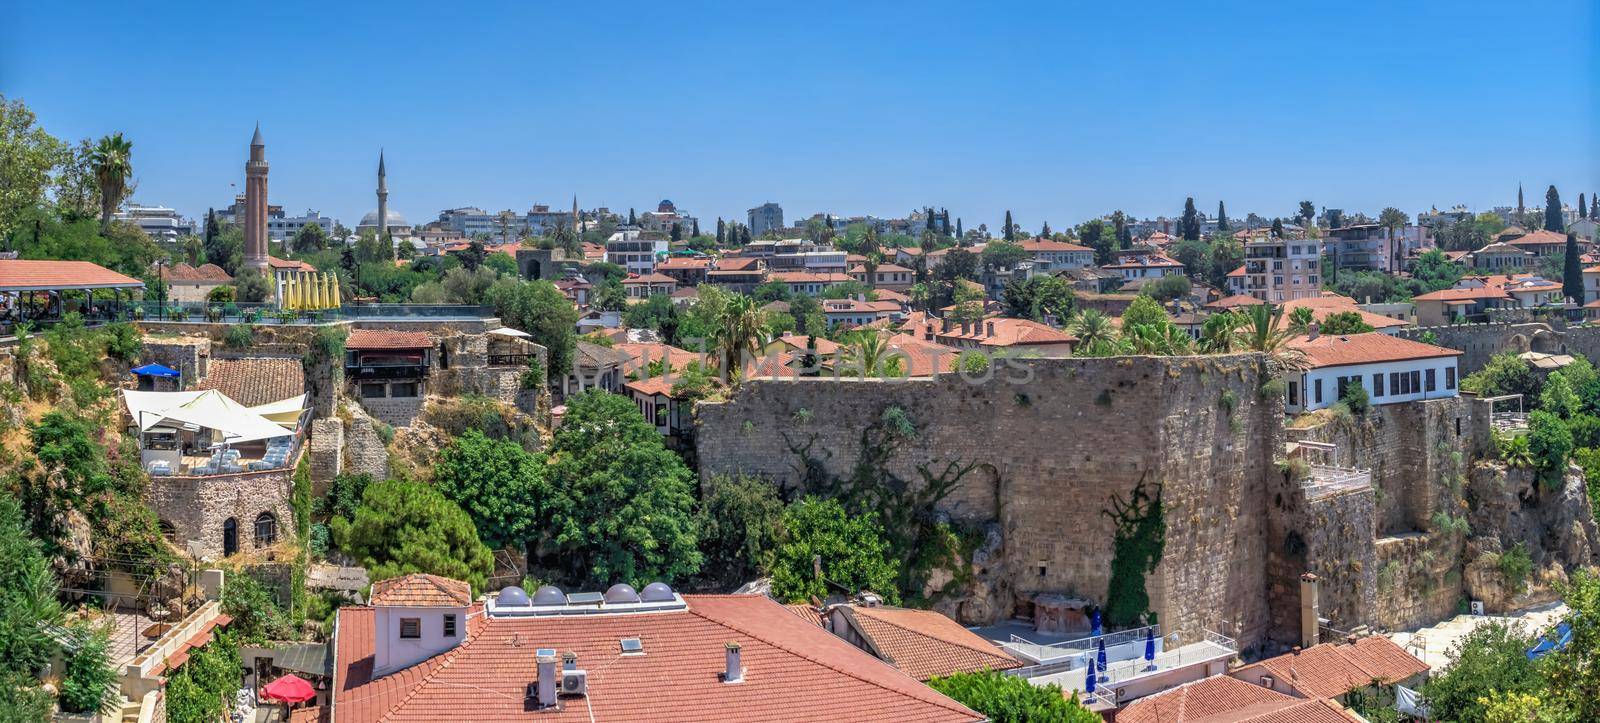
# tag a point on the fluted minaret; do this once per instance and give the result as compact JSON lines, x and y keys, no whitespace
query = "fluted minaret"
{"x":576,"y":226}
{"x":383,"y":205}
{"x":255,"y":205}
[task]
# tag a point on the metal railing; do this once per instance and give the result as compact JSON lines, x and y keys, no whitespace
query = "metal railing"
{"x":1509,"y":421}
{"x":1048,"y":652}
{"x":1214,"y":645}
{"x":268,"y":313}
{"x":1327,"y":479}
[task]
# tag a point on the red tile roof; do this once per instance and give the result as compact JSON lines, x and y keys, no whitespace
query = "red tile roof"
{"x":794,"y":671}
{"x":289,"y":264}
{"x":205,"y":272}
{"x":1145,"y":262}
{"x":1329,"y":350}
{"x":808,"y":613}
{"x":255,"y":381}
{"x":640,"y":354}
{"x":924,"y":643}
{"x":1330,"y":670}
{"x":375,"y":339}
{"x":1481,"y":292}
{"x":1541,"y":237}
{"x":1039,"y":245}
{"x":1212,"y":696}
{"x":420,"y":590}
{"x":30,"y":275}
{"x":650,"y":279}
{"x":1009,"y":332}
{"x":1235,"y":301}
{"x":1323,"y":306}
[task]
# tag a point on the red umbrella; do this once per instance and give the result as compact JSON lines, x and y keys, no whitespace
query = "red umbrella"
{"x":290,"y":689}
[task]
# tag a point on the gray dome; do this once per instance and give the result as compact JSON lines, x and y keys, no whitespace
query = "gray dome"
{"x":512,"y":597}
{"x":549,"y":595}
{"x":621,"y":593}
{"x":657,"y":592}
{"x":395,"y":219}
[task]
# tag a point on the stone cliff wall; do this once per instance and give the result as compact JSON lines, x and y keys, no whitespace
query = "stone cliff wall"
{"x":1479,"y":342}
{"x":197,"y":508}
{"x":1055,"y":441}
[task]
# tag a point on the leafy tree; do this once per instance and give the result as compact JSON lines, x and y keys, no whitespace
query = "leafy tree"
{"x":1010,"y":230}
{"x":1572,"y":674}
{"x":1195,"y":256}
{"x":1550,"y":442}
{"x":28,"y":610}
{"x":1434,"y":271}
{"x":1504,"y":374}
{"x":199,"y":691}
{"x":1491,"y":657}
{"x":1308,"y":213}
{"x":1344,"y":322}
{"x":1572,"y":272}
{"x":1553,"y":220}
{"x":404,"y":527}
{"x":853,"y":552}
{"x":251,"y":286}
{"x":1222,"y":218}
{"x":1189,"y":225}
{"x":657,"y":312}
{"x":1034,"y":297}
{"x":1583,"y":207}
{"x":1559,"y":398}
{"x":27,"y":155}
{"x":738,"y":522}
{"x":1144,"y":310}
{"x":737,"y":334}
{"x":500,"y":485}
{"x":539,"y":308}
{"x":257,"y":616}
{"x":1277,"y":228}
{"x":113,"y":167}
{"x":1094,"y":234}
{"x":622,"y":503}
{"x":1167,"y":288}
{"x":1010,"y":699}
{"x":310,"y":237}
{"x":224,"y":246}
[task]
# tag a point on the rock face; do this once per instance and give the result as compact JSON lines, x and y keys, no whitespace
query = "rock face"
{"x":983,"y":593}
{"x":1514,"y":513}
{"x":365,"y":451}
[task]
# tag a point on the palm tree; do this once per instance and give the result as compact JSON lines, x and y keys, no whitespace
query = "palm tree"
{"x":1301,"y":319}
{"x":738,"y":332}
{"x":868,"y":354}
{"x":1263,"y":330}
{"x":112,"y":159}
{"x":1219,"y":333}
{"x":1092,"y":328}
{"x":1393,"y":219}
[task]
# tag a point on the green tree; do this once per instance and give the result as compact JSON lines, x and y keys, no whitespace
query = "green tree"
{"x":1553,"y":220}
{"x":539,"y":308}
{"x":1189,"y":225}
{"x":27,"y":155}
{"x":251,"y":286}
{"x":1144,"y":310}
{"x":1038,"y":296}
{"x":1491,"y":657}
{"x":225,"y":246}
{"x":403,"y":527}
{"x":257,"y":615}
{"x":1572,"y":674}
{"x":28,"y":612}
{"x":738,"y":523}
{"x":1222,"y":218}
{"x":854,"y":556}
{"x":1572,"y":272}
{"x":1168,"y":288}
{"x":1342,"y":323}
{"x":1010,"y":229}
{"x":1308,"y":213}
{"x":623,"y":504}
{"x":1550,"y":442}
{"x":1559,"y":398}
{"x":310,"y":237}
{"x":1434,"y":271}
{"x":500,"y":485}
{"x":1505,"y":373}
{"x":113,"y":167}
{"x":737,"y":334}
{"x":1097,"y":336}
{"x":1010,"y":699}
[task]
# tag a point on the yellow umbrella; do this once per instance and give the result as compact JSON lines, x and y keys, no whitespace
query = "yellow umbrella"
{"x":338,"y":300}
{"x":288,"y":293}
{"x":327,"y":292}
{"x":322,"y":291}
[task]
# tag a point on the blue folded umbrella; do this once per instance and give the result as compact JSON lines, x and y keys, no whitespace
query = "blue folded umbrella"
{"x":155,"y":370}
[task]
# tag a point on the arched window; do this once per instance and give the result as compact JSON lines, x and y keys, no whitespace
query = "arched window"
{"x":230,"y":536}
{"x":167,"y":530}
{"x":266,"y":529}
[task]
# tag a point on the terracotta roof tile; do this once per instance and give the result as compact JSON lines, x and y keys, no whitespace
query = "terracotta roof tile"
{"x":1217,"y":695}
{"x":1235,"y":301}
{"x":419,"y":590}
{"x":204,"y":272}
{"x":376,"y":339}
{"x":808,"y":613}
{"x":1039,"y":245}
{"x":254,"y":381}
{"x":794,"y":671}
{"x":1330,"y":670}
{"x":1329,"y":350}
{"x":23,"y":274}
{"x":1323,"y":306}
{"x":925,"y":643}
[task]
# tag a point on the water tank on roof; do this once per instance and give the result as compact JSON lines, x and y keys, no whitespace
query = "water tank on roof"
{"x":657,"y":592}
{"x":549,"y":595}
{"x":512,"y":597}
{"x":621,"y":593}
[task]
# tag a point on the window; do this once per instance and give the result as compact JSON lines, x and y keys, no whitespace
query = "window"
{"x":1377,"y":385}
{"x":373,"y":391}
{"x":1294,"y":393}
{"x":1450,"y":377}
{"x":230,"y":536}
{"x":1394,"y":383}
{"x":1317,"y":387}
{"x":450,"y":625}
{"x":266,"y":529}
{"x":1428,"y":380}
{"x":403,"y":389}
{"x":1416,"y":382}
{"x":410,"y":628}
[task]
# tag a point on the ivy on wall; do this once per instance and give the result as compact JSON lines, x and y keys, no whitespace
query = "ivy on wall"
{"x":1141,"y":539}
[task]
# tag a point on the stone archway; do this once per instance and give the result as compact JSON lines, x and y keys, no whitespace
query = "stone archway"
{"x":1547,"y":342}
{"x":230,"y":537}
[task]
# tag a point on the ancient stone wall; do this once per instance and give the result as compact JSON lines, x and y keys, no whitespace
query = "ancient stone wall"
{"x":1418,"y":579}
{"x":197,"y":508}
{"x":1479,"y":342}
{"x":327,"y":451}
{"x":1055,"y":441}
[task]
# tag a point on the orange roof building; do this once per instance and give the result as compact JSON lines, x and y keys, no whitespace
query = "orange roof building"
{"x":1388,"y":368}
{"x":30,"y":275}
{"x":1221,"y":698}
{"x":1330,"y":670}
{"x":921,"y":643}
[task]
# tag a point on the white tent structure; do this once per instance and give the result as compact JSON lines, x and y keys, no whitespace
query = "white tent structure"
{"x":212,"y":409}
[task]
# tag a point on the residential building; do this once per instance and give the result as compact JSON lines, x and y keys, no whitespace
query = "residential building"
{"x":1585,"y":229}
{"x":1145,"y":266}
{"x":653,"y":654}
{"x":474,"y":222}
{"x":885,"y":276}
{"x":1390,"y":369}
{"x":1053,"y":256}
{"x":1329,"y":303}
{"x":1457,"y":305}
{"x":808,"y":283}
{"x":858,"y":312}
{"x":921,"y":643}
{"x":636,"y":251}
{"x":190,"y":283}
{"x":283,"y":228}
{"x":1006,"y":334}
{"x":643,"y":287}
{"x":665,"y":217}
{"x":1434,"y":218}
{"x":1222,"y":698}
{"x":1280,"y":269}
{"x":1332,"y":670}
{"x":1540,"y":243}
{"x":593,"y":367}
{"x":1501,"y":258}
{"x":737,"y":274}
{"x":158,"y":222}
{"x":388,"y":365}
{"x":1373,"y":247}
{"x":687,"y":270}
{"x":765,"y":218}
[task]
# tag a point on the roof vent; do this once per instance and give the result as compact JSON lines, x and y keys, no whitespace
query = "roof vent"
{"x":621,"y":593}
{"x":632,"y":646}
{"x":513,"y":596}
{"x":657,"y":592}
{"x":549,"y":595}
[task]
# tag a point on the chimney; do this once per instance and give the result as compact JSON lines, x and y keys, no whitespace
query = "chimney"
{"x":547,"y":678}
{"x":988,"y":328}
{"x":569,"y":660}
{"x":966,"y":328}
{"x":927,"y":332}
{"x":1310,"y":610}
{"x":945,"y":322}
{"x":1314,"y":331}
{"x":735,"y":670}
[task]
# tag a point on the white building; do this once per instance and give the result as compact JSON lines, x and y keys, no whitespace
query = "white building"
{"x":766,"y":217}
{"x":1390,"y":369}
{"x":636,"y":251}
{"x":158,"y":222}
{"x":1050,"y":256}
{"x":283,"y":228}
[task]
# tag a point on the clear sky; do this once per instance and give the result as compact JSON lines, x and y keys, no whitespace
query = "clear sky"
{"x":1057,"y":110}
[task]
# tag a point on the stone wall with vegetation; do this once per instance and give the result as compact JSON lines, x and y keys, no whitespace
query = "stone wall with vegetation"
{"x":197,"y":507}
{"x":1059,"y":446}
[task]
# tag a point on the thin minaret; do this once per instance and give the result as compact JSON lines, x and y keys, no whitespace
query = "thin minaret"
{"x":255,"y":204}
{"x":576,"y":225}
{"x":383,"y":206}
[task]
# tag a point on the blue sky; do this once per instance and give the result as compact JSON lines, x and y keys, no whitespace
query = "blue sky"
{"x":1058,"y":111}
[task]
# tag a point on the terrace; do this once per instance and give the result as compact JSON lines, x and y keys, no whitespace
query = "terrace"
{"x":1326,"y":476}
{"x":1506,"y":414}
{"x":1128,"y":674}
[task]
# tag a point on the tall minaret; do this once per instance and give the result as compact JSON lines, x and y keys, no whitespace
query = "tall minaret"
{"x":1520,"y":209}
{"x":383,"y":205}
{"x":576,"y":225}
{"x":255,"y":205}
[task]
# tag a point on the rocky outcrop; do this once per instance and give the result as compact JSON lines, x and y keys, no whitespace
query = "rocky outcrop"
{"x":974,"y":590}
{"x":1514,"y":515}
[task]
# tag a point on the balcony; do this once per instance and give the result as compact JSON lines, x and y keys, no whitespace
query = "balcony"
{"x":1325,"y":476}
{"x":381,"y":372}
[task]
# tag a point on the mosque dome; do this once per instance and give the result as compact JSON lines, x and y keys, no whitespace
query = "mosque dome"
{"x":395,"y":219}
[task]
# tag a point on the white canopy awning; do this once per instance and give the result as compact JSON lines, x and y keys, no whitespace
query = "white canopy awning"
{"x":508,"y":331}
{"x":210,"y":409}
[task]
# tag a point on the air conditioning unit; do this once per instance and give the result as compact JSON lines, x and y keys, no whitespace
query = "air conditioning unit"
{"x":1477,"y":607}
{"x":574,"y":682}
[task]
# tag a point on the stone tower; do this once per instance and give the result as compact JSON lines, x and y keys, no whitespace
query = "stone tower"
{"x":383,"y":206}
{"x":577,"y":225}
{"x":255,"y":205}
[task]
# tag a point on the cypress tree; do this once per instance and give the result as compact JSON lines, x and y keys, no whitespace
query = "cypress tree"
{"x":958,"y":229}
{"x":211,"y":226}
{"x":1572,"y":272}
{"x":1222,"y":217}
{"x":927,"y":218}
{"x":696,"y":228}
{"x":722,"y":232}
{"x":1045,"y":232}
{"x":1277,"y":228}
{"x":1583,"y":207}
{"x":744,"y":235}
{"x":1552,"y":211}
{"x":1189,"y":226}
{"x":632,"y":219}
{"x":1009,"y":234}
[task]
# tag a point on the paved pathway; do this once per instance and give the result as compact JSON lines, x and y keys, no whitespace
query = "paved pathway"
{"x":1433,"y":643}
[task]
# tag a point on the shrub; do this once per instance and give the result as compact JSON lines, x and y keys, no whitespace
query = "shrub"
{"x":1355,"y":397}
{"x":89,"y":683}
{"x":239,"y":336}
{"x":1011,"y":699}
{"x":1515,"y":566}
{"x":1550,"y":443}
{"x":854,"y":555}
